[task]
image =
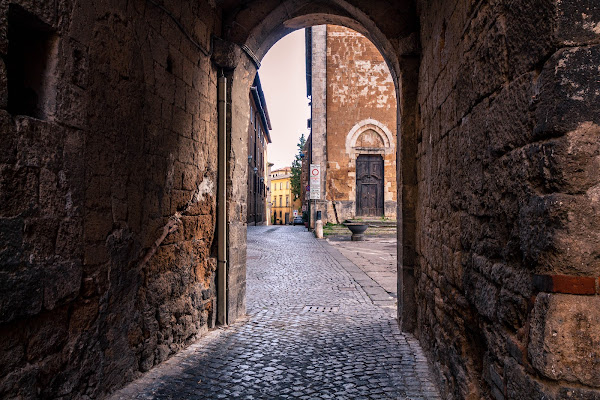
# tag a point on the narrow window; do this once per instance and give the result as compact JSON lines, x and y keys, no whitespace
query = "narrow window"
{"x":30,"y":64}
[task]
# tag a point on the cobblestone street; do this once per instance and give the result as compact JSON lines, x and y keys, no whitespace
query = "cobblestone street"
{"x":312,"y":332}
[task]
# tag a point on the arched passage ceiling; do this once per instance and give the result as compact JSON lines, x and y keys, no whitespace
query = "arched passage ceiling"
{"x":391,"y":24}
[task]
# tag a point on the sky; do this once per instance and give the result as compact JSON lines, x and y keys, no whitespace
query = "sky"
{"x":283,"y":78}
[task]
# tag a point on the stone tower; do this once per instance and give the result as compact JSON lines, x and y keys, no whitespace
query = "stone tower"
{"x":353,"y":126}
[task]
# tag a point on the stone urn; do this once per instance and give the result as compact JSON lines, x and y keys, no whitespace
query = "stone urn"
{"x":358,"y":229}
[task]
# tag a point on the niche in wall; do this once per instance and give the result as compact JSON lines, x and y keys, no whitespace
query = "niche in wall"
{"x":30,"y":64}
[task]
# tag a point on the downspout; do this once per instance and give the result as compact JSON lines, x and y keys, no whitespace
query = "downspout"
{"x":222,"y":203}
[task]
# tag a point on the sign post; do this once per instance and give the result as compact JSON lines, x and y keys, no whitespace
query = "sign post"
{"x":315,"y":181}
{"x":314,"y":187}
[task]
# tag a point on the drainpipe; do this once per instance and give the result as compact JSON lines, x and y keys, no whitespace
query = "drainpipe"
{"x":222,"y":203}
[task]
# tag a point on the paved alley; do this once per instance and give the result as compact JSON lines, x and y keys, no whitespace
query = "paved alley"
{"x":312,"y":332}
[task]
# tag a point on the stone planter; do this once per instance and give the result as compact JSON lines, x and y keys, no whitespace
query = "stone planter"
{"x":358,"y":229}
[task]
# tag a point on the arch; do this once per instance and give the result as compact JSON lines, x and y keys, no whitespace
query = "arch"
{"x":354,"y":151}
{"x":258,"y":25}
{"x":255,"y":32}
{"x":369,"y":124}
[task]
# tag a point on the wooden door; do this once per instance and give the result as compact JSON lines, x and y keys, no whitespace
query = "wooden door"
{"x":369,"y":186}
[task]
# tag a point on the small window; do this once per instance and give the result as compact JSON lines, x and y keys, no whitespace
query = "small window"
{"x":287,"y":185}
{"x":287,"y":201}
{"x":29,"y":64}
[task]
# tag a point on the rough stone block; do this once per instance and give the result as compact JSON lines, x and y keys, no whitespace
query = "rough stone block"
{"x":61,"y":284}
{"x":564,"y":339}
{"x":11,"y":243}
{"x":530,"y":26}
{"x":574,"y":393}
{"x":481,"y":293}
{"x":559,"y":235}
{"x":96,"y":226}
{"x":578,"y":22}
{"x":569,"y":93}
{"x":512,"y":309}
{"x":521,"y":385}
{"x":22,"y":293}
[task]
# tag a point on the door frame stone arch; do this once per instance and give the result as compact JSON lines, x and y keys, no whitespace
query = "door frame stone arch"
{"x":248,"y":47}
{"x":353,"y":151}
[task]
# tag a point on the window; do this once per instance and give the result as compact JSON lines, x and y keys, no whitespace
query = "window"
{"x":280,"y":185}
{"x":31,"y":49}
{"x":287,"y":185}
{"x":280,"y":201}
{"x":287,"y":201}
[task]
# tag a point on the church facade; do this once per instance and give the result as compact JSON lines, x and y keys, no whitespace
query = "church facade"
{"x":353,"y":125}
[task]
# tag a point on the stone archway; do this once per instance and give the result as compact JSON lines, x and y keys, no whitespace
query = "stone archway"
{"x":403,"y":65}
{"x":369,"y":137}
{"x":108,"y":217}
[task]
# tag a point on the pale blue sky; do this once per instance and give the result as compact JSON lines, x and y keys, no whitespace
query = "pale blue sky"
{"x":283,"y":78}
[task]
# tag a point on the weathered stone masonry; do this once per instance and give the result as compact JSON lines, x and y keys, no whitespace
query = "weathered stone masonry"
{"x":508,"y":178}
{"x":107,"y":188}
{"x":361,"y":119}
{"x":107,"y":201}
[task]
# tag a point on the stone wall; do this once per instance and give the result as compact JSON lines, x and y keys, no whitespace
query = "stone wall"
{"x":507,"y":216}
{"x":318,"y":117}
{"x":107,"y":193}
{"x":108,"y":175}
{"x":361,"y":109}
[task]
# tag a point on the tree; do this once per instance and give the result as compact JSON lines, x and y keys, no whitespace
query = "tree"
{"x":296,"y":178}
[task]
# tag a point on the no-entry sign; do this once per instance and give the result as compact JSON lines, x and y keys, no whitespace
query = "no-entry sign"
{"x":315,"y":181}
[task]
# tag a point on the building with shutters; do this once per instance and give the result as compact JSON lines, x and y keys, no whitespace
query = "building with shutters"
{"x":259,"y":126}
{"x":283,"y":204}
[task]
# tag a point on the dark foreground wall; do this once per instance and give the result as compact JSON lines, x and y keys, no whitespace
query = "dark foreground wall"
{"x":107,"y":191}
{"x":509,"y":183}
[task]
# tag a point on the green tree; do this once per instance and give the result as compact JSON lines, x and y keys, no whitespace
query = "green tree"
{"x":296,"y":178}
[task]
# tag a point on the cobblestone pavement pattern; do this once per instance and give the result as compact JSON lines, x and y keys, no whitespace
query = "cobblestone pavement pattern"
{"x":312,"y":332}
{"x":377,"y":258}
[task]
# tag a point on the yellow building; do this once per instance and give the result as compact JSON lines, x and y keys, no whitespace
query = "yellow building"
{"x":282,"y":202}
